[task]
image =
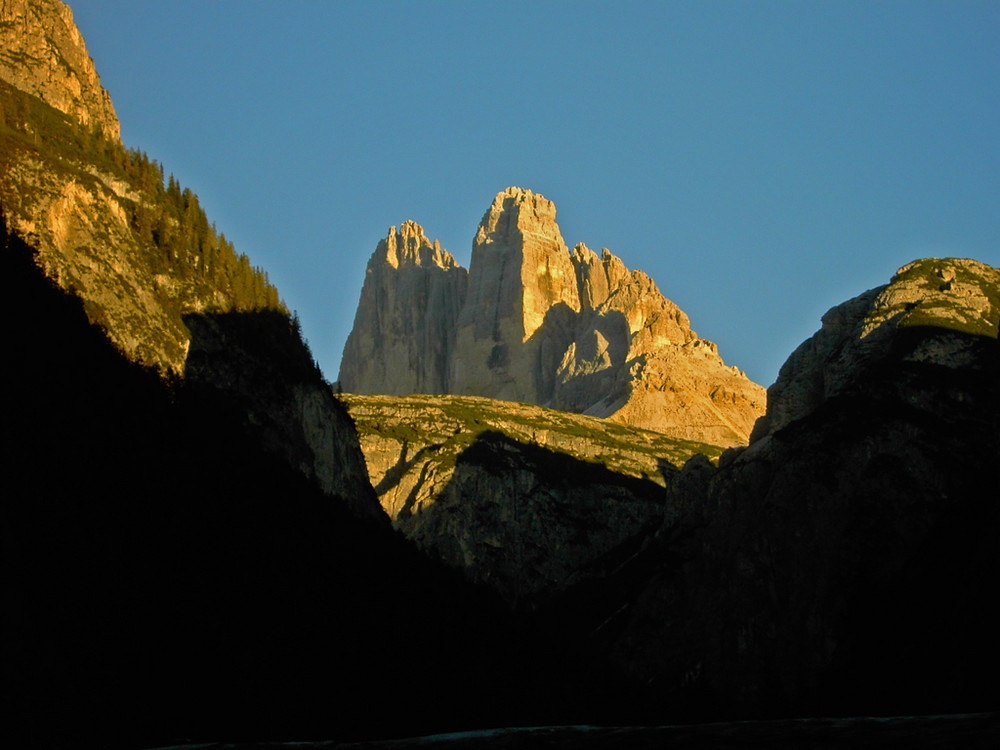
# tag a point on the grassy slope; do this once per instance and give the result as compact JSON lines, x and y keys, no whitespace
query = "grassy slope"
{"x":459,"y":420}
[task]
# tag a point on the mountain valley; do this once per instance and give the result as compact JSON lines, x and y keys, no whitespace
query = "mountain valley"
{"x":533,"y":498}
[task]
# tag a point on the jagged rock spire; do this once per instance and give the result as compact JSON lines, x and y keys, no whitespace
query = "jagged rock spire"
{"x":404,"y":329}
{"x":516,"y":319}
{"x":532,"y":322}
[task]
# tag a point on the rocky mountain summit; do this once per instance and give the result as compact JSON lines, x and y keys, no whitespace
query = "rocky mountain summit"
{"x":532,"y":322}
{"x":411,"y":304}
{"x":43,"y":53}
{"x":952,"y":294}
{"x":170,"y":292}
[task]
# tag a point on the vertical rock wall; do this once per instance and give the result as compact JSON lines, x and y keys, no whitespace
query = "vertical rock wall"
{"x":404,"y":329}
{"x":516,"y":320}
{"x":537,"y":324}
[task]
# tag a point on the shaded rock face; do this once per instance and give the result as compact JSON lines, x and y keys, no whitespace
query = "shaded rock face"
{"x":404,"y":329}
{"x":540,"y":325}
{"x":42,"y":52}
{"x":843,"y":558}
{"x":950,"y":294}
{"x":167,"y":575}
{"x":527,"y":521}
{"x":79,"y":211}
{"x":256,"y":362}
{"x":475,"y":482}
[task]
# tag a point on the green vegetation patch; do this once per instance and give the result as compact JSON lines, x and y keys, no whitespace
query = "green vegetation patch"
{"x":455,"y":422}
{"x":943,"y":307}
{"x":167,"y":221}
{"x":183,"y":260}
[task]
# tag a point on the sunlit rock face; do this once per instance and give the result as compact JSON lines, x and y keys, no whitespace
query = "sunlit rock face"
{"x":516,"y":319}
{"x":72,"y":194}
{"x":635,"y":360}
{"x":404,"y":329}
{"x":42,"y":52}
{"x":69,"y":205}
{"x":541,"y":325}
{"x":952,"y":296}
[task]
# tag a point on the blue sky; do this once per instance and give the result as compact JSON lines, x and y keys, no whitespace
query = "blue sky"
{"x":761,"y":161}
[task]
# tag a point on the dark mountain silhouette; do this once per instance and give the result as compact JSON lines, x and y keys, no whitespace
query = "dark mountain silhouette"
{"x":192,"y":552}
{"x":842,"y":564}
{"x":168,"y":579}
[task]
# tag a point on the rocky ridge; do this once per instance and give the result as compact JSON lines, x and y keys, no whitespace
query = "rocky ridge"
{"x":843,"y":557}
{"x":540,"y":325}
{"x":452,"y":472}
{"x":520,"y":497}
{"x":43,"y":53}
{"x":394,"y":430}
{"x":142,"y":257}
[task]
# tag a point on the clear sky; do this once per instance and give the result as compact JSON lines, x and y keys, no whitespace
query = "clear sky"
{"x":761,"y":161}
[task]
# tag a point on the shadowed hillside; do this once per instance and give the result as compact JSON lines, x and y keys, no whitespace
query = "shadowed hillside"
{"x":169,"y":579}
{"x":193,"y":552}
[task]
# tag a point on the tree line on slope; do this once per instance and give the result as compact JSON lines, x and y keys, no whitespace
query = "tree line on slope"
{"x":166,"y":219}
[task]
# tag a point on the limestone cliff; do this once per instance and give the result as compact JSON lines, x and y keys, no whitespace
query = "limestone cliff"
{"x":143,"y":258}
{"x":520,"y":497}
{"x":950,"y":294}
{"x":516,"y":319}
{"x":635,"y":360}
{"x":539,"y":325}
{"x":404,"y":329}
{"x":42,"y":52}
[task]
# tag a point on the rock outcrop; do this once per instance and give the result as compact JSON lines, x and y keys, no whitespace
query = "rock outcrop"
{"x":404,"y":329}
{"x":42,"y":52}
{"x":540,"y":325}
{"x":169,"y":293}
{"x":519,"y":497}
{"x":949,"y":294}
{"x":843,"y":558}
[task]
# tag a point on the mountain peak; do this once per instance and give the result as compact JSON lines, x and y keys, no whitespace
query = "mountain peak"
{"x":43,"y":54}
{"x":534,"y":323}
{"x":410,"y":247}
{"x":404,"y":327}
{"x":516,"y":211}
{"x":952,"y":300}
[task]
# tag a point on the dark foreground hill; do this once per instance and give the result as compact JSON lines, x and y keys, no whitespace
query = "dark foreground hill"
{"x":192,"y":550}
{"x":843,"y":563}
{"x":167,"y":578}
